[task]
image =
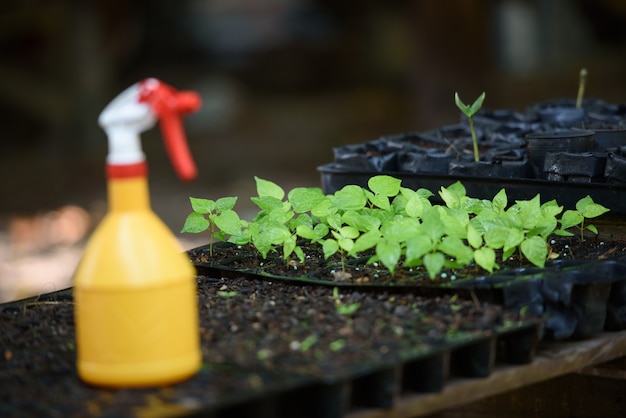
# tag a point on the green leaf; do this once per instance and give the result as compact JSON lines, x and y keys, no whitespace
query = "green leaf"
{"x":289,"y":245}
{"x":334,"y":221}
{"x":195,"y":223}
{"x":228,"y":221}
{"x":416,"y":247}
{"x":589,"y":209}
{"x":225,"y":203}
{"x":474,"y":238}
{"x":345,"y":244}
{"x":277,"y":233}
{"x":301,"y":219}
{"x":551,"y":208}
{"x":304,"y":199}
{"x":454,"y":224}
{"x":415,"y":206}
{"x":323,"y":208}
{"x":486,"y":258}
{"x":389,"y":254}
{"x":350,"y":197}
{"x":462,"y":106}
{"x":456,"y":248}
{"x":202,"y":206}
{"x":401,"y":229}
{"x":563,"y":233}
{"x":366,"y":241}
{"x":535,"y":250}
{"x":496,"y":236}
{"x":321,"y":230}
{"x":348,"y":309}
{"x":571,"y":218}
{"x":361,"y":222}
{"x":267,"y":188}
{"x":500,"y":201}
{"x":267,"y":203}
{"x":434,"y":263}
{"x":306,"y":232}
{"x":432,"y":225}
{"x":478,"y":103}
{"x":384,"y":185}
{"x":337,"y":345}
{"x":380,"y":201}
{"x":529,"y":211}
{"x":450,"y":198}
{"x":349,"y":232}
{"x":458,"y":189}
{"x":329,"y":247}
{"x":592,"y":228}
{"x":513,"y":239}
{"x":300,"y":253}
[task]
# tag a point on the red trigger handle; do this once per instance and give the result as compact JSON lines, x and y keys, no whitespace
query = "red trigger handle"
{"x":169,"y":105}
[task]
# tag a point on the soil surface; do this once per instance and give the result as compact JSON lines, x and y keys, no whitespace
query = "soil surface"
{"x":257,"y":337}
{"x":356,"y":271}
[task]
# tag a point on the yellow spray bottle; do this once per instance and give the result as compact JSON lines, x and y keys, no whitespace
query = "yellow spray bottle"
{"x":136,"y":308}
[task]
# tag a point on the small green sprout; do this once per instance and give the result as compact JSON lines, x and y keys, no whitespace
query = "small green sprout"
{"x":337,"y":345}
{"x":308,"y":342}
{"x":227,"y":295}
{"x":470,"y":111}
{"x":343,"y":309}
{"x":582,"y":80}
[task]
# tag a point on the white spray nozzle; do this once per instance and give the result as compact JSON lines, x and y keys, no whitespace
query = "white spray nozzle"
{"x":136,"y":110}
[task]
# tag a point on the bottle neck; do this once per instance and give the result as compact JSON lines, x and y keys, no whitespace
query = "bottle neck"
{"x":128,"y":194}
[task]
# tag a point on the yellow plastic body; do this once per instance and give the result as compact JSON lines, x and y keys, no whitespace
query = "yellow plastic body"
{"x":136,"y":307}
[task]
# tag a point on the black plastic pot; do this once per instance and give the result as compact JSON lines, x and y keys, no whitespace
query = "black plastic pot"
{"x":433,"y":161}
{"x":607,"y":134}
{"x":334,"y":177}
{"x":582,"y":167}
{"x":496,"y":169}
{"x":615,"y":171}
{"x":576,"y":304}
{"x":539,"y":144}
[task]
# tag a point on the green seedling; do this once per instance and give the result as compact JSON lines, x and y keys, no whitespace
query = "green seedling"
{"x":582,"y":81}
{"x":228,"y":295}
{"x":343,"y":309}
{"x":400,"y":225}
{"x":308,"y":342}
{"x":219,"y":218}
{"x":470,"y":111}
{"x":586,"y":208}
{"x":337,"y":345}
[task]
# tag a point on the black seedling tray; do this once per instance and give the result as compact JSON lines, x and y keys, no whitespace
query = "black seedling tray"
{"x":579,"y":298}
{"x":334,"y":177}
{"x":277,"y":392}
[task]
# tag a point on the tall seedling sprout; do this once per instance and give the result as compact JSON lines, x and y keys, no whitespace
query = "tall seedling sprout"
{"x":470,"y":111}
{"x":581,"y":87}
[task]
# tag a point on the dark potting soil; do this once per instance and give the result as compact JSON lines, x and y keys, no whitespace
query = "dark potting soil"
{"x":356,"y":271}
{"x":258,"y":338}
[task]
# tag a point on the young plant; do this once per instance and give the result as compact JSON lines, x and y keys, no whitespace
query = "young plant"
{"x":219,"y":218}
{"x":227,"y":295}
{"x":470,"y":111}
{"x":270,"y":227}
{"x":585,"y":208}
{"x":343,"y":309}
{"x":582,"y":80}
{"x":401,"y":225}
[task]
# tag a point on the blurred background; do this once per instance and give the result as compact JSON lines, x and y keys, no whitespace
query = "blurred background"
{"x":282,"y":82}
